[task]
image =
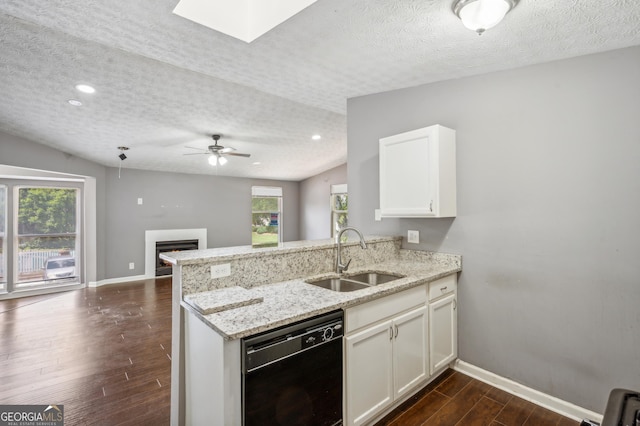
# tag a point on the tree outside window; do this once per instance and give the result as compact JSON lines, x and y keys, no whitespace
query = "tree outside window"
{"x":47,"y":224}
{"x":339,"y":209}
{"x":266,"y":209}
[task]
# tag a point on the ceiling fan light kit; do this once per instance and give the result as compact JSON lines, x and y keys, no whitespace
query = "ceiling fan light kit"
{"x":481,"y":15}
{"x":217,"y":152}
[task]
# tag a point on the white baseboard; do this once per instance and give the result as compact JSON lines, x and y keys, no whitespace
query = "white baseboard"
{"x":118,"y":280}
{"x":549,"y":402}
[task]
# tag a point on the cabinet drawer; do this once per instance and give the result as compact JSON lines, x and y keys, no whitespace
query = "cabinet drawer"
{"x":442,"y":287}
{"x":384,"y":307}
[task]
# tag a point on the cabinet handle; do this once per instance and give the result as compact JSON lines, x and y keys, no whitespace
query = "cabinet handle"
{"x":431,"y":206}
{"x":396,"y":327}
{"x":455,"y":304}
{"x":390,"y":333}
{"x":443,"y":289}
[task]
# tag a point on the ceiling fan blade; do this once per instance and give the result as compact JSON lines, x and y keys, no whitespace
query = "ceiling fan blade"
{"x":237,"y":154}
{"x":197,"y":153}
{"x":226,"y":150}
{"x":191,"y":147}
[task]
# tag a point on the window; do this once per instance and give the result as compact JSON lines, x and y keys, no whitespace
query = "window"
{"x":3,"y":240}
{"x":266,"y":210}
{"x":339,"y":208}
{"x":46,"y":236}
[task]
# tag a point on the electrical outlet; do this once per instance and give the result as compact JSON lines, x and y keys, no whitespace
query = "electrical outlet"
{"x":221,"y":270}
{"x":132,"y":265}
{"x":139,"y":201}
{"x":413,"y":237}
{"x":377,"y":215}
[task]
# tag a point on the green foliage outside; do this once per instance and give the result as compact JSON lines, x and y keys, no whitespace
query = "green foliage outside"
{"x":44,"y":211}
{"x":341,"y":202}
{"x":264,"y":240}
{"x":340,"y":212}
{"x":263,"y":233}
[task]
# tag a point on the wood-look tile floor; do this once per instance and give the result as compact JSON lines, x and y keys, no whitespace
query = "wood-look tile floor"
{"x":105,"y":354}
{"x":456,"y":399}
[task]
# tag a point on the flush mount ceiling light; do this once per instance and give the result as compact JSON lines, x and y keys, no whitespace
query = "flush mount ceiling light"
{"x":480,"y":15}
{"x":74,"y":102}
{"x":85,"y":88}
{"x":316,"y":137}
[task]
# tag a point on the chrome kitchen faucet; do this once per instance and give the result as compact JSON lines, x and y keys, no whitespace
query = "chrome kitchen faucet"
{"x":340,"y":268}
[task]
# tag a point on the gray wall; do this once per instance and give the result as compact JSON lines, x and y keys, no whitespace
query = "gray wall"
{"x":20,"y":152}
{"x":548,"y":169}
{"x":315,"y":209}
{"x":178,"y":201}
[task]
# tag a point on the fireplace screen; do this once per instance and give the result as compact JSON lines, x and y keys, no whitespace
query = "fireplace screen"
{"x":163,"y":267}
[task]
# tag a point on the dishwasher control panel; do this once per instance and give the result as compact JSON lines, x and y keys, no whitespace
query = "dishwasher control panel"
{"x":321,"y":334}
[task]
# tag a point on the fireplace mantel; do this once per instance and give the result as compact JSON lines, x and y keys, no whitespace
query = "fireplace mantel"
{"x":153,"y":236}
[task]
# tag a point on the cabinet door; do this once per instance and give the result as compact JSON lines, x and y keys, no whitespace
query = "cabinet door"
{"x":407,"y":175}
{"x":410,"y":356}
{"x":368,"y":373}
{"x":418,"y":173}
{"x":443,"y":332}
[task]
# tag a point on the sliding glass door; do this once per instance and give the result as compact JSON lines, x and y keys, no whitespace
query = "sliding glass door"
{"x":46,"y":237}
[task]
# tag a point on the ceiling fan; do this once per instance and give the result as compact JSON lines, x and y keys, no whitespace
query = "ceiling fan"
{"x":217,"y":152}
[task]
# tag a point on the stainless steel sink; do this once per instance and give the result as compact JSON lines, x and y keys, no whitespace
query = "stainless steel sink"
{"x":374,"y":278}
{"x":355,"y":282}
{"x":339,"y":284}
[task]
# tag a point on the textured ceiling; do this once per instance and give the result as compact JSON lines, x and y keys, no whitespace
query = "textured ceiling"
{"x":164,"y":82}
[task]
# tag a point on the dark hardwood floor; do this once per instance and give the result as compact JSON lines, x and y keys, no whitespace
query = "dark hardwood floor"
{"x":102,"y":353}
{"x":456,"y":399}
{"x":105,"y":354}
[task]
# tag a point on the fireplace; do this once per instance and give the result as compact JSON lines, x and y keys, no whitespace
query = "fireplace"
{"x":163,"y":267}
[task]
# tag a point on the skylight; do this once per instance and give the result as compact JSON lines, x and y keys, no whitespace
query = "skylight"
{"x":243,"y":19}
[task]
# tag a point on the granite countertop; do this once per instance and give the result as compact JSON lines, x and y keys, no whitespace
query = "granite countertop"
{"x":224,"y":254}
{"x":289,"y":301}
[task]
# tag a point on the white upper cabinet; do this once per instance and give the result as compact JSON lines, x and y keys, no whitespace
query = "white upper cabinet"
{"x":418,"y":173}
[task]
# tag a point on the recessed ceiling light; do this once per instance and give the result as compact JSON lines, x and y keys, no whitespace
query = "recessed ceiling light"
{"x":316,"y":137}
{"x":256,"y":163}
{"x":85,"y":88}
{"x":74,"y":102}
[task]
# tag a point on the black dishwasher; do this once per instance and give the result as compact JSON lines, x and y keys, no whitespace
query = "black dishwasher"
{"x":293,"y":375}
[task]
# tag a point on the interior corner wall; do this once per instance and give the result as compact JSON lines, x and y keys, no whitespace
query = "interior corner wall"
{"x":20,"y":152}
{"x":315,"y":206}
{"x":220,"y":204}
{"x":548,"y":181}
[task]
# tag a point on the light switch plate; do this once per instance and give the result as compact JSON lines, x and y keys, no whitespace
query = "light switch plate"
{"x":413,"y":237}
{"x":139,"y":201}
{"x":377,"y":215}
{"x":221,"y":270}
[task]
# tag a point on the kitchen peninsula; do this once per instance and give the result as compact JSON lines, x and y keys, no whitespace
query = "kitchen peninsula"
{"x":256,"y":290}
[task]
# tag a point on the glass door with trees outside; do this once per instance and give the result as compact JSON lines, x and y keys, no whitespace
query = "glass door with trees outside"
{"x":46,"y":237}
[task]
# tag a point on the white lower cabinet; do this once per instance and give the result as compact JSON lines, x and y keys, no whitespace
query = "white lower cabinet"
{"x":387,"y":359}
{"x":395,"y":344}
{"x":443,"y":323}
{"x":410,"y":354}
{"x":369,"y":373}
